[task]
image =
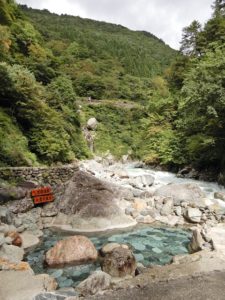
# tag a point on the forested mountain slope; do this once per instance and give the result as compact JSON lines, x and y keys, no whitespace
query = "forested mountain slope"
{"x":48,"y":62}
{"x":139,"y":53}
{"x":162,"y":106}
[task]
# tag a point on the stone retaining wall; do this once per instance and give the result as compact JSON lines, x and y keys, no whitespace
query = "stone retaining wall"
{"x":40,"y":175}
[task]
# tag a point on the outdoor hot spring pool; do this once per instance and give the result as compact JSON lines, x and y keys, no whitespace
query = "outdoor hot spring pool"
{"x":150,"y":246}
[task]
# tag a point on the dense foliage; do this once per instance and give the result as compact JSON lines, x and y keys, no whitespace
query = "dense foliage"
{"x":163,"y":107}
{"x":45,"y":68}
{"x":187,"y":124}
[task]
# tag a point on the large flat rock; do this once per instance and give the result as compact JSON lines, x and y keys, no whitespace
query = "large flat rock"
{"x":22,"y":285}
{"x":90,"y":204}
{"x":217,"y":234}
{"x":185,"y":192}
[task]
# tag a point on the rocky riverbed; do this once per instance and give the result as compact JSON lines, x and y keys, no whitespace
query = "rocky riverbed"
{"x":101,"y":196}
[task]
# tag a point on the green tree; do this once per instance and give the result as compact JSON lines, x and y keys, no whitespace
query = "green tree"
{"x":190,"y":37}
{"x":203,"y":108}
{"x":218,"y":8}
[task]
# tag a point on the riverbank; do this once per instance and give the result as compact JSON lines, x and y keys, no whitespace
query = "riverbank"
{"x":105,"y":195}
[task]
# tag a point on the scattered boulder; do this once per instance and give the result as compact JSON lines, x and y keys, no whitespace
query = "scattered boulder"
{"x":217,"y":234}
{"x":21,"y":206}
{"x":193,"y":215}
{"x":142,"y":181}
{"x":95,"y":283}
{"x":121,"y":173}
{"x":92,"y":124}
{"x":5,"y":215}
{"x":188,"y":172}
{"x":197,"y":241}
{"x":187,"y":192}
{"x":16,"y":238}
{"x":29,"y":240}
{"x":219,"y":195}
{"x":120,"y":262}
{"x":109,"y":159}
{"x":167,"y":208}
{"x":178,"y":211}
{"x":72,"y":251}
{"x":11,"y":193}
{"x":139,"y":205}
{"x":11,"y":253}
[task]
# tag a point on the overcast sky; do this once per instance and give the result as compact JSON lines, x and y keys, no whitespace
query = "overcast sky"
{"x":164,"y":18}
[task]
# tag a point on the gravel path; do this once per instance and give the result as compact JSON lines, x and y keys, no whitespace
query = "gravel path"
{"x":205,"y":287}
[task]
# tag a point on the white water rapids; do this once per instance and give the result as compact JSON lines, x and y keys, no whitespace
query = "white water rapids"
{"x":164,"y":178}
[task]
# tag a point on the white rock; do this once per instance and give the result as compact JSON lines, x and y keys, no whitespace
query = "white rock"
{"x":95,"y":283}
{"x":92,"y":124}
{"x":196,"y":241}
{"x":29,"y":241}
{"x":12,"y":253}
{"x":193,"y":215}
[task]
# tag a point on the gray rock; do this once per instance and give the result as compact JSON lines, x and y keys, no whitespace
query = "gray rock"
{"x":12,"y":253}
{"x":8,"y":240}
{"x":11,"y":193}
{"x":2,"y":240}
{"x":88,"y":196}
{"x":140,"y":219}
{"x":188,"y":192}
{"x":129,"y":210}
{"x":193,"y":215}
{"x":21,"y":228}
{"x":167,"y":208}
{"x":23,"y":285}
{"x":22,"y":206}
{"x":134,"y":213}
{"x":92,"y":124}
{"x":5,"y":215}
{"x":97,"y":282}
{"x":29,"y":240}
{"x":4,"y":228}
{"x":119,"y":263}
{"x":219,"y":195}
{"x":197,"y":242}
{"x":178,"y":211}
{"x":17,"y":222}
{"x":140,"y":182}
{"x":146,"y":212}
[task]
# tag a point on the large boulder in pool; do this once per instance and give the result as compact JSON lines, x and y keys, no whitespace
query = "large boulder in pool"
{"x":119,"y":262}
{"x":88,"y":196}
{"x":187,"y":192}
{"x":90,"y":204}
{"x":75,"y":250}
